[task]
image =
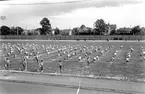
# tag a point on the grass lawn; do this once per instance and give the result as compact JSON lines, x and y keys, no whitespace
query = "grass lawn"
{"x":134,"y":69}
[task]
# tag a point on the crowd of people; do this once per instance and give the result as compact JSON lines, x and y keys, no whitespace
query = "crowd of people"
{"x":89,"y":54}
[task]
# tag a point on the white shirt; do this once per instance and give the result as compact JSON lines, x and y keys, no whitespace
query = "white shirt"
{"x":8,"y":61}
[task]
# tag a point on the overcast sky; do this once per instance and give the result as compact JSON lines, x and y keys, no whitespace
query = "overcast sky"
{"x":72,"y":13}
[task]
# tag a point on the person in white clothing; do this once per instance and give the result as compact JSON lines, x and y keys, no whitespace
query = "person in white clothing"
{"x":7,"y":64}
{"x":41,"y":66}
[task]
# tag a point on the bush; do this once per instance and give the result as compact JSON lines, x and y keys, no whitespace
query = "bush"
{"x":77,"y":39}
{"x":120,"y":38}
{"x":115,"y":39}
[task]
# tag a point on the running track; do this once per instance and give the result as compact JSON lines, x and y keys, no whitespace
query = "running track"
{"x":18,"y":82}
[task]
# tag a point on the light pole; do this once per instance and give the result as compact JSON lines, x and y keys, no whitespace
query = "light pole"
{"x":17,"y":30}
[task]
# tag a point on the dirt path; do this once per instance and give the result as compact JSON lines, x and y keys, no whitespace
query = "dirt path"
{"x":72,"y":82}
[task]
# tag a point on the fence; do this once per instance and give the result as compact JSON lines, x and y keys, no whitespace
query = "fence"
{"x":82,"y":37}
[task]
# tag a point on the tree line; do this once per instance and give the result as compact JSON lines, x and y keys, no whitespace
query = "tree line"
{"x":100,"y":28}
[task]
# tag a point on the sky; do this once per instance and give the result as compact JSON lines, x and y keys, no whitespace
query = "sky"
{"x":72,"y":13}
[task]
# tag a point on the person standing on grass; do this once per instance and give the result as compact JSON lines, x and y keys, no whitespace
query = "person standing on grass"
{"x":60,"y":66}
{"x":88,"y":61}
{"x":79,"y":58}
{"x":127,"y":59}
{"x":68,"y":56}
{"x":7,"y":64}
{"x":37,"y":58}
{"x":25,"y":63}
{"x":112,"y":59}
{"x":8,"y":54}
{"x":41,"y":66}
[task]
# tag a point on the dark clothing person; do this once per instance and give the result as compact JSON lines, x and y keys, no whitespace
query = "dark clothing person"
{"x":88,"y":62}
{"x":25,"y":64}
{"x":60,"y":66}
{"x":37,"y":59}
{"x":41,"y":66}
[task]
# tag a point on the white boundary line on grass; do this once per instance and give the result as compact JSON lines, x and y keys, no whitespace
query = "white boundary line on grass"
{"x":78,"y":90}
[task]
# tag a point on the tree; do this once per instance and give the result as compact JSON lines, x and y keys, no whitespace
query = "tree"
{"x":136,"y":30}
{"x":16,"y":30}
{"x":89,"y":30}
{"x":13,"y":31}
{"x":142,"y":32}
{"x":5,"y":30}
{"x":34,"y":32}
{"x":82,"y":27}
{"x":29,"y":32}
{"x":95,"y":32}
{"x":83,"y":30}
{"x":100,"y":26}
{"x":46,"y":26}
{"x":56,"y":31}
{"x":124,"y":31}
{"x":19,"y":30}
{"x":38,"y":31}
{"x":65,"y":32}
{"x":75,"y":31}
{"x":113,"y":32}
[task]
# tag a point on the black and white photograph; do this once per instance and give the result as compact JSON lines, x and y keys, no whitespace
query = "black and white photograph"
{"x":72,"y":47}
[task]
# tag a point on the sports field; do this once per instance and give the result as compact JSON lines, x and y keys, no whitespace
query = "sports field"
{"x":123,"y":60}
{"x":69,"y":53}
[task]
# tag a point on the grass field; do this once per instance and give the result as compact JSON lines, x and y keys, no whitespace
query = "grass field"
{"x":104,"y":67}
